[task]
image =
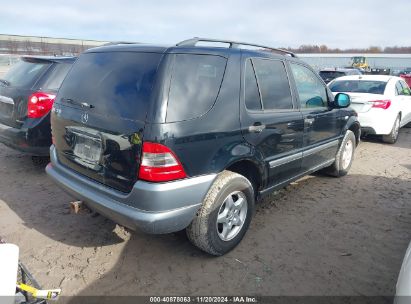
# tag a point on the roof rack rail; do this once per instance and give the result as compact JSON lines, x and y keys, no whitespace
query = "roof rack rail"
{"x":118,"y":42}
{"x":233,"y":44}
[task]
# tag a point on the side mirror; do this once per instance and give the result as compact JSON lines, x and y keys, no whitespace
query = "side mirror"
{"x":342,"y":100}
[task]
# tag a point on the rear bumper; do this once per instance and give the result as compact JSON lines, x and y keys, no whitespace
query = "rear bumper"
{"x":375,"y":121}
{"x":18,"y":139}
{"x":151,"y":207}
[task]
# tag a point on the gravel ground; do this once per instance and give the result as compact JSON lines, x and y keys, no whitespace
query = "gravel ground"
{"x":318,"y":236}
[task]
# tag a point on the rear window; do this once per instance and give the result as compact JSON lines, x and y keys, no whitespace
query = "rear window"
{"x":195,"y":83}
{"x":25,"y":73}
{"x":114,"y":83}
{"x":359,"y":86}
{"x":56,"y":77}
{"x":331,"y":74}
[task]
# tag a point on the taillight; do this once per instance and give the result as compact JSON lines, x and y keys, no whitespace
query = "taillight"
{"x":39,"y":104}
{"x":382,"y":104}
{"x":159,"y":164}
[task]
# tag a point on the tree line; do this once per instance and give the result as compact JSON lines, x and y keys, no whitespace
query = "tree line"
{"x":306,"y":48}
{"x":46,"y":48}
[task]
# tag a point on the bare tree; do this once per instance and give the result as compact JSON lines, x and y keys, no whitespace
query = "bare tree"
{"x":28,"y":47}
{"x":12,"y":46}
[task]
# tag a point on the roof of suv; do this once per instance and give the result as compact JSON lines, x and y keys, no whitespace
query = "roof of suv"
{"x":188,"y":46}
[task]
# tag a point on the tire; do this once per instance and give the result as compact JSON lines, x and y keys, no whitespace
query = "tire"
{"x":204,"y":231}
{"x":40,"y":160}
{"x":393,"y":136}
{"x":344,"y":157}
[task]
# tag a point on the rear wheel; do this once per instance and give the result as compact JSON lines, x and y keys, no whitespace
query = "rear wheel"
{"x":344,"y":157}
{"x":393,"y":136}
{"x":40,"y":160}
{"x":225,"y":215}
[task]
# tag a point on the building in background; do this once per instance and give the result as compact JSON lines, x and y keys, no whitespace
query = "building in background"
{"x":31,"y":45}
{"x":376,"y":60}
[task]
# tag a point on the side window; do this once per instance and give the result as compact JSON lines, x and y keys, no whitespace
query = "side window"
{"x":252,"y":95}
{"x":405,"y":89}
{"x":311,"y":91}
{"x":398,"y":88}
{"x":195,"y":84}
{"x":273,"y":83}
{"x":56,"y":77}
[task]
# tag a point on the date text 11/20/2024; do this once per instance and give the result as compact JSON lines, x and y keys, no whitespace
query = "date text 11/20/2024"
{"x":204,"y":299}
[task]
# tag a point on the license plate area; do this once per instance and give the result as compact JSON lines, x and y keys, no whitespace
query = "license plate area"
{"x":361,"y":107}
{"x":87,"y":149}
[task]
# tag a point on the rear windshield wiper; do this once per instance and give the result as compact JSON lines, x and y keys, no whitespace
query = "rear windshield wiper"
{"x":5,"y":82}
{"x":81,"y":104}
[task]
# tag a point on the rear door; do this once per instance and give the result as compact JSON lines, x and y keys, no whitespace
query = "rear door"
{"x":270,"y":120}
{"x":99,"y":115}
{"x":17,"y":86}
{"x":322,"y":124}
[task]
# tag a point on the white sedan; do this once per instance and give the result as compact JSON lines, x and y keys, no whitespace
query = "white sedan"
{"x":383,"y":103}
{"x":403,"y":288}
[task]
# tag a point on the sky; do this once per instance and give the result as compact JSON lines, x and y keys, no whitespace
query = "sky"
{"x":286,"y":23}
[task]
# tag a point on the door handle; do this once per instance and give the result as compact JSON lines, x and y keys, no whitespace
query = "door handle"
{"x":258,"y":127}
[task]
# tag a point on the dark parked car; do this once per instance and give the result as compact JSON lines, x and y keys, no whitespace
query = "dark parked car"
{"x":406,"y":71}
{"x":27,"y":92}
{"x":330,"y":74}
{"x":188,"y":137}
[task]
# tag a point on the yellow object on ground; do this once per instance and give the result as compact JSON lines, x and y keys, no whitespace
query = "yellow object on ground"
{"x":47,"y":294}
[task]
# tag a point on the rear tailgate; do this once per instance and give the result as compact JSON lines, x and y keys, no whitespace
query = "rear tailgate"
{"x":99,"y":115}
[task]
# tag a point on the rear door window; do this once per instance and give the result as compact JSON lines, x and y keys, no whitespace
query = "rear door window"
{"x":273,"y":83}
{"x":114,"y":83}
{"x":195,"y":84}
{"x":398,"y":88}
{"x":56,"y":77}
{"x":252,"y":95}
{"x":25,"y":73}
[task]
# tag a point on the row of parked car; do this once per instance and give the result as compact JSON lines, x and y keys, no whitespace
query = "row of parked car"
{"x":163,"y":139}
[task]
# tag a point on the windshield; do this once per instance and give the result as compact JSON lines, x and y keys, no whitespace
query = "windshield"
{"x":358,"y":59}
{"x":25,"y":74}
{"x":359,"y":86}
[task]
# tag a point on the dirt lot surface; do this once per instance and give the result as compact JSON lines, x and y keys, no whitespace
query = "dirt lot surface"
{"x":319,"y":236}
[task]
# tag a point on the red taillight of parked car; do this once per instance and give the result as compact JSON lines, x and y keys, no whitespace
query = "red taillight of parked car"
{"x":39,"y":104}
{"x":382,"y":104}
{"x":159,"y":164}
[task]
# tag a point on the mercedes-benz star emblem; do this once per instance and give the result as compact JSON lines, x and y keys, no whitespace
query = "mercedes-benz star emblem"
{"x":84,"y":118}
